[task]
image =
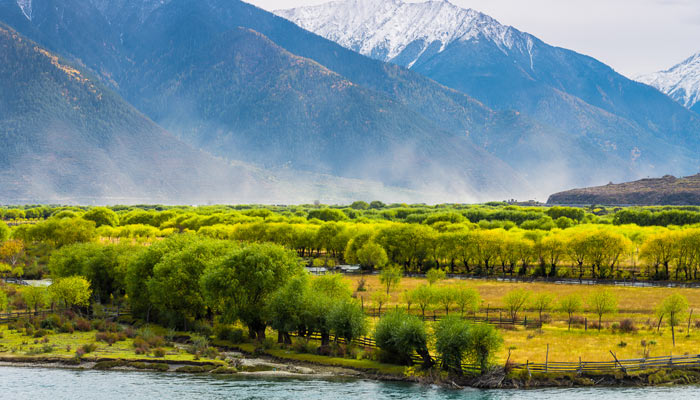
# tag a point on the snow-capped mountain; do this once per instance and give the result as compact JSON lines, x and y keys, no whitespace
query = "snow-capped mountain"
{"x":403,"y":33}
{"x":681,"y":82}
{"x":26,"y":6}
{"x":507,"y":69}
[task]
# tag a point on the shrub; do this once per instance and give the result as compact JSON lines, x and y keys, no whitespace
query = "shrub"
{"x":51,"y":322}
{"x":83,"y":325}
{"x":159,"y":352}
{"x":39,"y":333}
{"x":304,"y":346}
{"x":228,"y":332}
{"x":627,"y":326}
{"x":130,"y":332}
{"x":452,"y":342}
{"x":399,"y":334}
{"x":98,"y":324}
{"x":88,"y":348}
{"x":198,"y":346}
{"x":203,"y":328}
{"x":67,"y":328}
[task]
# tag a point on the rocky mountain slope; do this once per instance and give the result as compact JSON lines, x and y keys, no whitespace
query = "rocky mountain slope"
{"x":507,"y":69}
{"x":66,"y":136}
{"x":668,"y":190}
{"x":681,"y":82}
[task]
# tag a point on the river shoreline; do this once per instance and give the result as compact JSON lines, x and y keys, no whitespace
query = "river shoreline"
{"x":275,"y":368}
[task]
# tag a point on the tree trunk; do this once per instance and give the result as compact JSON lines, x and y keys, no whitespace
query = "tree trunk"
{"x":673,"y":335}
{"x":428,"y":361}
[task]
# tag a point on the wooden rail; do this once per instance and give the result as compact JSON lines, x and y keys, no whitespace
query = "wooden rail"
{"x":15,"y":315}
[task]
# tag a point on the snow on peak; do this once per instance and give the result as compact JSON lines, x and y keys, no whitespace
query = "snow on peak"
{"x":681,"y":82}
{"x":383,"y":29}
{"x":26,"y":6}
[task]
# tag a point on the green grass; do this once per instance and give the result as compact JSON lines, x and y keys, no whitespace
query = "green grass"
{"x":14,"y":344}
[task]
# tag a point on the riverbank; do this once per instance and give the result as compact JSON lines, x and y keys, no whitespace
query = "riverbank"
{"x":241,"y":365}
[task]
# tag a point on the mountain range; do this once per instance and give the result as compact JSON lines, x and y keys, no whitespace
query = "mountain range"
{"x":602,"y":111}
{"x":681,"y":82}
{"x":460,"y":108}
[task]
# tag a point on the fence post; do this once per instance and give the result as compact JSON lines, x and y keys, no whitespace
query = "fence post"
{"x":527,"y":365}
{"x":585,"y":324}
{"x":546,"y":360}
{"x":525,"y":322}
{"x":580,"y":366}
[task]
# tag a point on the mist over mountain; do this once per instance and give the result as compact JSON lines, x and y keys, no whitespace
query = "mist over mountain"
{"x":681,"y":82}
{"x":459,"y":108}
{"x":66,"y":136}
{"x":511,"y":70}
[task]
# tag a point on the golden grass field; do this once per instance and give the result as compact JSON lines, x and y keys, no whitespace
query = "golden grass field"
{"x":638,"y":304}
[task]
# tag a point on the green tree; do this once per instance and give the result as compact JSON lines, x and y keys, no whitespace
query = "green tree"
{"x":62,"y":232}
{"x":542,"y":303}
{"x":174,"y":287}
{"x":398,"y":334}
{"x":372,"y":256}
{"x":140,"y":271}
{"x":102,"y":216}
{"x":35,"y":297}
{"x":4,"y":231}
{"x":288,"y":306}
{"x":359,"y":205}
{"x":452,"y":343}
{"x":380,"y":299}
{"x":390,"y":277}
{"x":445,"y":296}
{"x":602,"y":302}
{"x":466,"y":299}
{"x":424,"y":297}
{"x":484,"y":342}
{"x":674,"y":308}
{"x":104,"y":266}
{"x":570,"y":304}
{"x":241,"y":285}
{"x":332,"y":286}
{"x":3,"y":300}
{"x":515,"y":301}
{"x":71,"y":292}
{"x":435,"y":275}
{"x":347,"y":320}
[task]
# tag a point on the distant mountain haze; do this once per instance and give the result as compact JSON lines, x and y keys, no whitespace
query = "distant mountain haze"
{"x":427,"y":101}
{"x":681,"y":82}
{"x":511,"y":70}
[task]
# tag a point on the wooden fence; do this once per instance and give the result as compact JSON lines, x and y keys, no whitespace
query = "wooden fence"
{"x":640,"y":364}
{"x":15,"y":315}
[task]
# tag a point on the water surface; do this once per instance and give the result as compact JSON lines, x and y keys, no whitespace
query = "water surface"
{"x":59,"y":384}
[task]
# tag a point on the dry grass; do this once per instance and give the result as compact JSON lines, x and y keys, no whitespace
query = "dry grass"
{"x":531,"y":344}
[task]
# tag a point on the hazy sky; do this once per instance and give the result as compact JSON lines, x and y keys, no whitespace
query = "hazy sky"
{"x":632,"y":36}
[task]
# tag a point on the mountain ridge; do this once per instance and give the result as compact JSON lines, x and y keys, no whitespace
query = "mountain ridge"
{"x":681,"y":82}
{"x":665,"y":191}
{"x":507,"y":69}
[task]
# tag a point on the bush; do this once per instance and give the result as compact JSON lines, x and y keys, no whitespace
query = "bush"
{"x":203,"y":328}
{"x":67,"y":328}
{"x":83,"y":325}
{"x":627,"y":326}
{"x":452,"y":342}
{"x":130,"y":332}
{"x":304,"y":346}
{"x":88,"y":348}
{"x":399,"y":335}
{"x":52,"y":321}
{"x":159,"y":352}
{"x":228,"y":332}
